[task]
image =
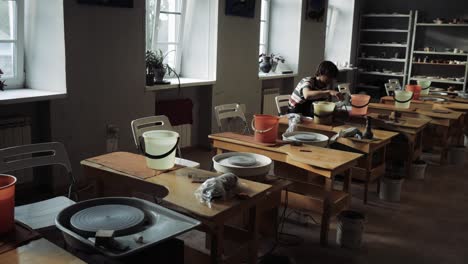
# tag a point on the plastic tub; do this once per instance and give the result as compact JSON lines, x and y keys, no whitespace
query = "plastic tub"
{"x":390,"y":189}
{"x":416,"y":89}
{"x":350,"y":228}
{"x":7,"y":203}
{"x":323,"y":112}
{"x":359,"y":104}
{"x":425,"y":86}
{"x":266,"y":128}
{"x":159,"y":148}
{"x":403,"y":99}
{"x":418,"y":170}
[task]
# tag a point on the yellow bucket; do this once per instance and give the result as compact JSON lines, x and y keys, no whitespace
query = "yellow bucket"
{"x":403,"y":99}
{"x":323,"y":112}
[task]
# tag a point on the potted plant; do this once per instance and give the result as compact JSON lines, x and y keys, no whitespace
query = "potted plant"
{"x":156,"y":69}
{"x":391,"y":184}
{"x":2,"y":83}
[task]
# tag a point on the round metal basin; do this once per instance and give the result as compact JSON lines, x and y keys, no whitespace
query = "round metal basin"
{"x":438,"y":93}
{"x":433,"y":99}
{"x":309,"y":138}
{"x":242,"y":164}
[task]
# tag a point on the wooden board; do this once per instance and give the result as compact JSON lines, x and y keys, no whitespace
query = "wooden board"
{"x":392,"y":107}
{"x":181,"y":188}
{"x":405,"y":122}
{"x":324,"y":158}
{"x":39,"y":252}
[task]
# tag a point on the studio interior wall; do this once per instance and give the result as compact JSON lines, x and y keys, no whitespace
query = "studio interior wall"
{"x":105,"y":78}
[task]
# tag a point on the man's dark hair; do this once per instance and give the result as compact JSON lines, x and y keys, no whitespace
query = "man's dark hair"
{"x":328,"y":69}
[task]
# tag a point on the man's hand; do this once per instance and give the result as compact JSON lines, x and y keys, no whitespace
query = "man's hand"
{"x":336,"y":94}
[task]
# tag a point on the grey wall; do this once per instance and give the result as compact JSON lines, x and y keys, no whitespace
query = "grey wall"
{"x":105,"y":78}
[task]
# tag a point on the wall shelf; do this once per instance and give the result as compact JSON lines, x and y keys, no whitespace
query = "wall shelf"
{"x":392,"y":45}
{"x":427,"y":70}
{"x":382,"y":73}
{"x":394,"y":30}
{"x":387,"y":15}
{"x":436,"y":80}
{"x":440,"y":53}
{"x":440,"y":25}
{"x":382,"y":59}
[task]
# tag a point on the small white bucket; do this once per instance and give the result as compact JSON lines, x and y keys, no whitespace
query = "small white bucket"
{"x":457,"y":155}
{"x":390,"y":189}
{"x":403,"y":98}
{"x":159,"y":147}
{"x":418,"y":170}
{"x":349,"y":229}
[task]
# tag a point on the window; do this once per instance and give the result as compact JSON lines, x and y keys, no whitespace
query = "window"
{"x":264,"y":26}
{"x":164,"y":25}
{"x":11,"y":42}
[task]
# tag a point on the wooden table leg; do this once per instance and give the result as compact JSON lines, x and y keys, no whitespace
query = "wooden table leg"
{"x":347,"y":181}
{"x":445,"y":146}
{"x":326,"y":214}
{"x":368,"y":175}
{"x":409,"y":160}
{"x":217,"y":247}
{"x":253,"y":230}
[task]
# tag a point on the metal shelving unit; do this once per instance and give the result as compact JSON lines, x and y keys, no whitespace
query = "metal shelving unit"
{"x":463,"y":56}
{"x":402,"y":45}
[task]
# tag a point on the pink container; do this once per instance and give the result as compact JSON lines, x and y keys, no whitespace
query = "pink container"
{"x":359,"y":104}
{"x":266,"y":128}
{"x":416,"y":89}
{"x":7,"y":203}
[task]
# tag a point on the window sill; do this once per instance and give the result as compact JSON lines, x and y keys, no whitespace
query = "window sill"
{"x":184,"y":82}
{"x":25,"y":95}
{"x":271,"y":76}
{"x":347,"y":69}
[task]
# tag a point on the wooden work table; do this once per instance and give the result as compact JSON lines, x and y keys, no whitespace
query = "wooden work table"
{"x":121,"y":174}
{"x":315,"y":161}
{"x":39,"y":252}
{"x":370,"y":166}
{"x":445,"y":129}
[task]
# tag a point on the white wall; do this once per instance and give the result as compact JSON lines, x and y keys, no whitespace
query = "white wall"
{"x":105,"y":78}
{"x":339,"y":35}
{"x":237,"y":64}
{"x":45,"y":45}
{"x":285,"y":30}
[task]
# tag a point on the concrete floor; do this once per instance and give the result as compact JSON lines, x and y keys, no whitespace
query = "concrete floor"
{"x":429,"y":225}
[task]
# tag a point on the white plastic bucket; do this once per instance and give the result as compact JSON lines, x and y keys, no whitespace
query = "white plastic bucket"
{"x":457,"y":155}
{"x":349,"y":229}
{"x":403,"y":98}
{"x":418,"y":170}
{"x":425,"y":85}
{"x":323,"y":112}
{"x":390,"y":189}
{"x":159,"y":148}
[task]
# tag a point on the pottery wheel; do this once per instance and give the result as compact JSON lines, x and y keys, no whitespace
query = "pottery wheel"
{"x":115,"y":217}
{"x":242,"y":161}
{"x":305,"y":137}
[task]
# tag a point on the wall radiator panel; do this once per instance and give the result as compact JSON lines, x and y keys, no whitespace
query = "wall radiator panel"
{"x":15,"y":131}
{"x":185,"y":132}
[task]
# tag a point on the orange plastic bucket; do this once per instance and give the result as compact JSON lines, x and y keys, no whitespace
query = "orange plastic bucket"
{"x":266,"y":128}
{"x":416,"y":89}
{"x":359,"y":104}
{"x":7,"y":203}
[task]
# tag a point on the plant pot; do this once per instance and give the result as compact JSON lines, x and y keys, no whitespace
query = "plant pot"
{"x":350,"y":228}
{"x":149,"y":79}
{"x":457,"y":155}
{"x":418,"y":170}
{"x":265,"y":64}
{"x":390,"y":189}
{"x":159,"y":74}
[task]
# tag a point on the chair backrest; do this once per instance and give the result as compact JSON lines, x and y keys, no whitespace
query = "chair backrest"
{"x":396,"y":82}
{"x":34,"y":155}
{"x":390,"y":88}
{"x":141,"y":125}
{"x":281,"y":102}
{"x":344,"y":88}
{"x":229,"y":111}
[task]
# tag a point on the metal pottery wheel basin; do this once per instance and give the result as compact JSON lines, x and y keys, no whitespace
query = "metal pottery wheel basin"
{"x":433,"y":99}
{"x":242,"y":164}
{"x":438,"y":93}
{"x":309,"y":138}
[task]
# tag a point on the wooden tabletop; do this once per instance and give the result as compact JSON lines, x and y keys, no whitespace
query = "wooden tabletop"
{"x":405,"y":125}
{"x":39,"y":252}
{"x":322,"y":158}
{"x":451,"y":105}
{"x":382,"y":137}
{"x":180,"y":186}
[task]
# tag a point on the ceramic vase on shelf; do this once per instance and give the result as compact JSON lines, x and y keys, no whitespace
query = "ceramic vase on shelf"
{"x":159,"y":74}
{"x":265,"y":64}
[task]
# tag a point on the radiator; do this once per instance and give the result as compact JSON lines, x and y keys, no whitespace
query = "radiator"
{"x":185,"y":132}
{"x":16,"y":131}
